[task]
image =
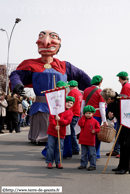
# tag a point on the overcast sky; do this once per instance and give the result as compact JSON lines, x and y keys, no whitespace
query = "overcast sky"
{"x":95,"y":34}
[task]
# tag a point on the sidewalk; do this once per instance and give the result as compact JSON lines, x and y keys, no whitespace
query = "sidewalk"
{"x":21,"y":128}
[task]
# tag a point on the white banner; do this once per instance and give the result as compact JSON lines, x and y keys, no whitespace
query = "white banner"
{"x":125,"y":112}
{"x":56,"y":101}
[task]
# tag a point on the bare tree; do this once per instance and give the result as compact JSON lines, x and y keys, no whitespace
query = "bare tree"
{"x":11,"y":67}
{"x":3,"y":77}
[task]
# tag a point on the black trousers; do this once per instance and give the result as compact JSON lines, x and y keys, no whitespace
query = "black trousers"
{"x":13,"y":121}
{"x":124,"y":162}
{"x":1,"y":122}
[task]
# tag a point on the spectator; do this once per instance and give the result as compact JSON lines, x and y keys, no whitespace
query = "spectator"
{"x":25,"y":104}
{"x":3,"y":105}
{"x":13,"y":102}
{"x":20,"y":111}
{"x":6,"y":121}
{"x":29,"y":100}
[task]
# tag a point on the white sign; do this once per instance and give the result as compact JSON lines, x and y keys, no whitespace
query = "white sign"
{"x":56,"y":101}
{"x":125,"y":112}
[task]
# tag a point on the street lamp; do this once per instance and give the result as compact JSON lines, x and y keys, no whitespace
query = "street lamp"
{"x":6,"y":33}
{"x":9,"y":40}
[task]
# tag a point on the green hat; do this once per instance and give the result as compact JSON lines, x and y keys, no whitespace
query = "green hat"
{"x":70,"y":98}
{"x":89,"y":109}
{"x":61,"y":84}
{"x":96,"y":79}
{"x":122,"y":74}
{"x":127,"y":78}
{"x":73,"y":83}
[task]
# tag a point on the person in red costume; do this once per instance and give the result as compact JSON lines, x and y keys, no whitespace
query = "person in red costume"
{"x":123,"y":79}
{"x":125,"y":91}
{"x":92,"y":97}
{"x":89,"y":127}
{"x":64,"y":119}
{"x":73,"y":85}
{"x":39,"y":73}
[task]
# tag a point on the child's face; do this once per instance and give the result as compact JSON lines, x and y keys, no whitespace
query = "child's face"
{"x":69,"y":104}
{"x":88,"y":115}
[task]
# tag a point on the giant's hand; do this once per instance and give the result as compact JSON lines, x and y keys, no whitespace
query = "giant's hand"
{"x":19,"y":88}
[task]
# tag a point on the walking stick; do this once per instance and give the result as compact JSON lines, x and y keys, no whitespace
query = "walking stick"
{"x":58,"y":130}
{"x":112,"y":148}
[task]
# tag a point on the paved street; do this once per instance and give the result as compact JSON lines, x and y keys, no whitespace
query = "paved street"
{"x":22,"y":164}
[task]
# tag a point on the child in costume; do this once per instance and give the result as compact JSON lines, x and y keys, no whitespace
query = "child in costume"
{"x":89,"y":127}
{"x":67,"y":141}
{"x":67,"y":152}
{"x":74,"y":91}
{"x":63,"y":119}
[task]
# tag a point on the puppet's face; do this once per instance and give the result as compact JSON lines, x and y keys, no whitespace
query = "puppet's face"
{"x":48,"y":43}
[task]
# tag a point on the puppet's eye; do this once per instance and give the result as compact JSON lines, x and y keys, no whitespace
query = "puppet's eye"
{"x":53,"y":36}
{"x":40,"y":35}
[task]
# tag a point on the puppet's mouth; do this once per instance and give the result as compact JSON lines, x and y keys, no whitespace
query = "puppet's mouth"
{"x":47,"y":49}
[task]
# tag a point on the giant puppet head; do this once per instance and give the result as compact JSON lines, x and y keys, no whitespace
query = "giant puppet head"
{"x":48,"y":43}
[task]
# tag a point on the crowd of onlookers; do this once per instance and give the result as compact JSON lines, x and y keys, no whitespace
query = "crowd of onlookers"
{"x":14,"y":112}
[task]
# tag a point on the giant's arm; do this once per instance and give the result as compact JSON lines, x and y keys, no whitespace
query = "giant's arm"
{"x":19,"y":78}
{"x":74,"y":73}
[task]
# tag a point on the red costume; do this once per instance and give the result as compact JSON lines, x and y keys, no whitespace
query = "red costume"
{"x":125,"y":89}
{"x":65,"y":119}
{"x":94,"y":100}
{"x":86,"y":137}
{"x":78,"y":101}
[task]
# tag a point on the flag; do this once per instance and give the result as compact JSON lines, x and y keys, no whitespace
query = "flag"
{"x":125,"y":112}
{"x":56,"y":101}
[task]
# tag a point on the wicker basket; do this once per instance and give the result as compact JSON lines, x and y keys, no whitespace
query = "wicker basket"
{"x":106,"y":134}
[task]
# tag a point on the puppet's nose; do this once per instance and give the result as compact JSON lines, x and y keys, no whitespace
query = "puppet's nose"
{"x":46,"y":41}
